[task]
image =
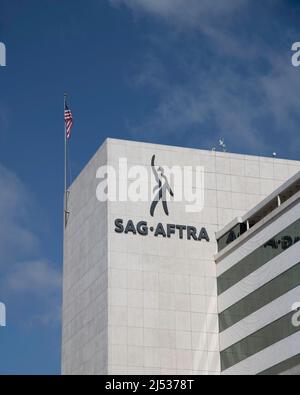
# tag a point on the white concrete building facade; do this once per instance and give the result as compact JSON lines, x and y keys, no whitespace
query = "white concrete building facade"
{"x":140,"y":287}
{"x":258,"y":276}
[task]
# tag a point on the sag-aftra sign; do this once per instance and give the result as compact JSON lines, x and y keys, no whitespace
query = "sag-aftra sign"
{"x":160,"y":230}
{"x":162,"y":192}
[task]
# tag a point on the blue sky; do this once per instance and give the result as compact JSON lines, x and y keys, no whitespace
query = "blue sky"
{"x":182,"y":72}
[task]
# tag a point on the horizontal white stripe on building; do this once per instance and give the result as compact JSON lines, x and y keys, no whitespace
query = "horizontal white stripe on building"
{"x":258,"y":320}
{"x":259,"y":239}
{"x":267,"y":358}
{"x":260,"y":277}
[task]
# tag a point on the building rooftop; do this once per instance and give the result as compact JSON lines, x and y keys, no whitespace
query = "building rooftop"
{"x":260,"y":212}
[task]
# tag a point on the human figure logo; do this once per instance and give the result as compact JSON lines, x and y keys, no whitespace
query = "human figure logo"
{"x":161,"y":188}
{"x":152,"y":184}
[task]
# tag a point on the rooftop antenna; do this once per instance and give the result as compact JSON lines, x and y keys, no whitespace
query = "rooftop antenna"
{"x":222,"y":144}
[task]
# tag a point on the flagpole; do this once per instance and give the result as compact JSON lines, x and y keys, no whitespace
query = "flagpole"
{"x":65,"y":181}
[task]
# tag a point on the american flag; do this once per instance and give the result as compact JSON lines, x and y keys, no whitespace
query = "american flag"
{"x":68,"y":121}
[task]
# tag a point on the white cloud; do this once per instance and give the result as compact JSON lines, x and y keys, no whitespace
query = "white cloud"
{"x":211,"y":17}
{"x":49,"y":317}
{"x":233,"y":103}
{"x":29,"y":284}
{"x":32,"y":277}
{"x":234,"y":76}
{"x":15,"y":238}
{"x":281,"y":87}
{"x":32,"y":291}
{"x":186,"y":11}
{"x":204,"y":97}
{"x":3,"y":120}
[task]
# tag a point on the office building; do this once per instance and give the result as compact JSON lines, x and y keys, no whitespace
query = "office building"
{"x":140,"y":279}
{"x":258,"y":277}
